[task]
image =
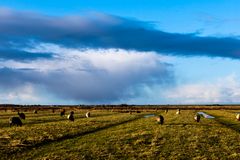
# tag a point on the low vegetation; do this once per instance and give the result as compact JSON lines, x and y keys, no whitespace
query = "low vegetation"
{"x":114,"y":135}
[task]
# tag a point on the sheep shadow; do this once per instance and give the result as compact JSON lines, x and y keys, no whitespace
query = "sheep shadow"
{"x":71,"y":136}
{"x":230,"y":125}
{"x":190,"y":124}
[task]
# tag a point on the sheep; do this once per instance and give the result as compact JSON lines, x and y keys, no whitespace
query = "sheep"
{"x":166,"y":111}
{"x":178,"y":111}
{"x":15,"y":121}
{"x":70,"y":116}
{"x":238,"y":117}
{"x":88,"y":114}
{"x":160,"y":119}
{"x":62,"y":113}
{"x":197,"y":118}
{"x":21,"y":115}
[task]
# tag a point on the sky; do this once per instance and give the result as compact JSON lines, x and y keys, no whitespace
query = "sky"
{"x":123,"y":51}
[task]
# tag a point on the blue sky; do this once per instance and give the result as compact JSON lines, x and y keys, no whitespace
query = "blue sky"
{"x":158,"y":52}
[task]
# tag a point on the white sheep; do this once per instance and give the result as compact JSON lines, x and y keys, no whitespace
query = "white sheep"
{"x":197,"y":118}
{"x":238,"y":117}
{"x":88,"y":114}
{"x":70,"y":116}
{"x":160,"y":119}
{"x":166,"y":110}
{"x":178,"y":111}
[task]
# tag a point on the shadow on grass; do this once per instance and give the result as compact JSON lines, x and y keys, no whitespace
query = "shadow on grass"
{"x":228,"y":124}
{"x":36,"y":121}
{"x":66,"y":137}
{"x":190,"y":124}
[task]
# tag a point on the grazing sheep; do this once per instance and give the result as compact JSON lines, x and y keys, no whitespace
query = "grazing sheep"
{"x":62,"y":113}
{"x":178,"y":111}
{"x":197,"y":118}
{"x":70,"y":116}
{"x":15,"y":121}
{"x":160,"y":119}
{"x":21,"y":115}
{"x":88,"y":114}
{"x":166,"y":111}
{"x":238,"y":117}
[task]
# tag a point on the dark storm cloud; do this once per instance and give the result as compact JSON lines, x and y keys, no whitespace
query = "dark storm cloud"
{"x":88,"y":86}
{"x":19,"y":55}
{"x":13,"y":48}
{"x":106,"y":31}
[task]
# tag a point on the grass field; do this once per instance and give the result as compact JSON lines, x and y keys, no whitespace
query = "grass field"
{"x":113,"y":135}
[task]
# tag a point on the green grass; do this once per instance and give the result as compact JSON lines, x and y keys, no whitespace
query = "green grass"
{"x":110,"y":135}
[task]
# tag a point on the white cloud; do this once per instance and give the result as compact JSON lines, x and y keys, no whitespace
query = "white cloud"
{"x":106,"y":76}
{"x":19,"y":95}
{"x":223,"y":90}
{"x":91,"y":75}
{"x":111,"y":60}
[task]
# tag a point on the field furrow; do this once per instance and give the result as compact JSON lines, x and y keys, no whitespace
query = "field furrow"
{"x":19,"y":138}
{"x":111,"y":135}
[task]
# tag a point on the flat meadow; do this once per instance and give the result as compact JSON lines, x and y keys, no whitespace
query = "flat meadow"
{"x":116,"y":135}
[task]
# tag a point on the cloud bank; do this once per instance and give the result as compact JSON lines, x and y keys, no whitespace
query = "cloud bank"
{"x":104,"y":31}
{"x":98,"y":58}
{"x":87,"y":75}
{"x":223,"y":90}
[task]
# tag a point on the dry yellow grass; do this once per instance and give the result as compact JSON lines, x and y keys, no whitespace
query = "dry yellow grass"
{"x":110,"y":135}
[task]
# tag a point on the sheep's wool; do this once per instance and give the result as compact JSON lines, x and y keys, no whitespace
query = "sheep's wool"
{"x":238,"y":117}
